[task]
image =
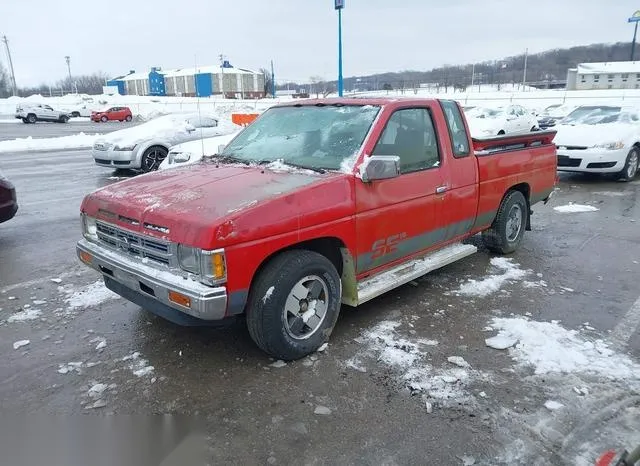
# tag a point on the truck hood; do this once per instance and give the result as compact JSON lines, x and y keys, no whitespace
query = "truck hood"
{"x":211,"y":206}
{"x":590,"y":135}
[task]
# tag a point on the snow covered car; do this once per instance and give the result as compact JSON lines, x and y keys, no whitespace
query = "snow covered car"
{"x":553,"y":114}
{"x":32,"y":113}
{"x":8,"y":200}
{"x":192,"y":152}
{"x":600,"y":139}
{"x":146,"y":146}
{"x":510,"y":119}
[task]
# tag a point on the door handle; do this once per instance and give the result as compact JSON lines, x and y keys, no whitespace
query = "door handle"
{"x":441,"y":189}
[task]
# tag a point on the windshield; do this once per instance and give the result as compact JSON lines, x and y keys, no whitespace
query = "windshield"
{"x":592,"y":115}
{"x":481,"y":112}
{"x":319,"y":136}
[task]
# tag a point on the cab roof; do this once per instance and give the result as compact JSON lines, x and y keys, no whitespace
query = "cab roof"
{"x":379,"y":101}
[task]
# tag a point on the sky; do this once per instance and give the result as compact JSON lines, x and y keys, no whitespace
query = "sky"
{"x":300,"y":36}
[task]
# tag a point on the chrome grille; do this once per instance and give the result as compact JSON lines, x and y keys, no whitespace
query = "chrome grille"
{"x":134,"y":244}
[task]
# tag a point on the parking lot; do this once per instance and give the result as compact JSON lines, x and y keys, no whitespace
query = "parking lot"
{"x":10,"y":128}
{"x":406,"y":379}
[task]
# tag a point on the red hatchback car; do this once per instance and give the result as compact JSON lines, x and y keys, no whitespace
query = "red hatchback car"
{"x":113,"y":114}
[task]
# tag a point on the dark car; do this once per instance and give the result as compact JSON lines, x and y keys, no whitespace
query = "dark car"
{"x":8,"y":199}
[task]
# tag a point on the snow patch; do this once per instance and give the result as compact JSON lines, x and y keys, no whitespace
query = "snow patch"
{"x":482,"y":288}
{"x":91,"y":295}
{"x":550,"y":348}
{"x":268,"y":294}
{"x":20,"y":343}
{"x":278,"y":364}
{"x":28,"y":314}
{"x":575,"y":208}
{"x":75,"y":141}
{"x":138,"y":365}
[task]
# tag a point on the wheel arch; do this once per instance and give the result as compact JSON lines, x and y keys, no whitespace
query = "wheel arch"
{"x":335,"y":250}
{"x":145,"y":146}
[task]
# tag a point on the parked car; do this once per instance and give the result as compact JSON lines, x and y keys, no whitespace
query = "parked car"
{"x":8,"y":199}
{"x":112,"y":114}
{"x":553,"y":114}
{"x":32,"y":113}
{"x":192,"y":152}
{"x":146,"y":146}
{"x":316,"y":203}
{"x":510,"y":119}
{"x":600,"y":139}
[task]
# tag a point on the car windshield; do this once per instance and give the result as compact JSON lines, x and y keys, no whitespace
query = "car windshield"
{"x":314,"y":136}
{"x":593,"y":115}
{"x":481,"y":112}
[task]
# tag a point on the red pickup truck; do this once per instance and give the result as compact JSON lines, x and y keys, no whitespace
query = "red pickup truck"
{"x":316,"y":203}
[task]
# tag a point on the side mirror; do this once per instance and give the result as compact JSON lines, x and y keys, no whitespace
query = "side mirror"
{"x":190,"y":128}
{"x":380,"y":167}
{"x":221,"y":148}
{"x":181,"y":157}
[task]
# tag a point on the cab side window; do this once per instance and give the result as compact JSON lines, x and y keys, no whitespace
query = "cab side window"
{"x":457,"y":132}
{"x":410,"y":134}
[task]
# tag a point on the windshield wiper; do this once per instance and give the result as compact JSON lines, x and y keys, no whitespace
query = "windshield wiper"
{"x":229,"y":159}
{"x":295,"y":165}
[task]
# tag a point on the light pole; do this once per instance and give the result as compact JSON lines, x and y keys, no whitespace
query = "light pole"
{"x":634,"y":19}
{"x":339,"y":5}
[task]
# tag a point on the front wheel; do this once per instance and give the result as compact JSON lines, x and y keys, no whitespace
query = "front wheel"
{"x":630,"y":169}
{"x":294,"y":304}
{"x":31,"y":118}
{"x":104,"y":119}
{"x":129,"y":118}
{"x":152,"y":158}
{"x":507,"y":230}
{"x":64,"y":119}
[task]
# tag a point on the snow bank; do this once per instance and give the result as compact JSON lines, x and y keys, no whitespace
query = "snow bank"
{"x":575,"y":208}
{"x":482,"y":288}
{"x":75,"y":141}
{"x":548,"y":347}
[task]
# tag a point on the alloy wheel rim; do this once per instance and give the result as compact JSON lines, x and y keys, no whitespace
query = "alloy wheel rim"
{"x":306,"y":307}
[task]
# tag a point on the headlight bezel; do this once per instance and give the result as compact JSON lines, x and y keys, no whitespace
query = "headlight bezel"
{"x":615,"y":145}
{"x":89,"y":227}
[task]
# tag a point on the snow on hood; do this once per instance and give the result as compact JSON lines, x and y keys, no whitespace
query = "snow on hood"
{"x":590,"y":135}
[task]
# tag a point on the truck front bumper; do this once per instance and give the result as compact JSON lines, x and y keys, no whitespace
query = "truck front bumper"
{"x":150,"y":288}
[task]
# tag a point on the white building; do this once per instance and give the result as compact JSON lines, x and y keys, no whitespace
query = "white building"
{"x":607,"y":75}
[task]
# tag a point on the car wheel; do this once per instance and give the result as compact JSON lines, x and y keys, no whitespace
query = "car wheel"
{"x":507,"y":230}
{"x":630,"y":169}
{"x":294,"y":304}
{"x":31,"y":118}
{"x":24,"y":120}
{"x":75,"y":114}
{"x":501,"y":132}
{"x":129,"y":118}
{"x":104,"y":119}
{"x":534,"y":129}
{"x":64,"y":119}
{"x":152,"y":158}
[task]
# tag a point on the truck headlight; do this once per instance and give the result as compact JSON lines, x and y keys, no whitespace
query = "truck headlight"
{"x":89,"y":228}
{"x":130,"y":147}
{"x":610,"y":145}
{"x":189,"y":259}
{"x":209,"y":266}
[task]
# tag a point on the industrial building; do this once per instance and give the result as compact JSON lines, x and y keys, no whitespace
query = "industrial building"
{"x":607,"y":75}
{"x":205,"y":81}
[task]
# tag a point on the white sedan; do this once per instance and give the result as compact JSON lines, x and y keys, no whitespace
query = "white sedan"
{"x":192,"y":152}
{"x":600,"y":139}
{"x":511,"y":119}
{"x":146,"y":146}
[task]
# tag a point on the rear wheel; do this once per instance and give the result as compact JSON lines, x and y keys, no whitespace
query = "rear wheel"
{"x":31,"y":118}
{"x":75,"y":114}
{"x":630,"y":169}
{"x":294,"y":304}
{"x":129,"y":118}
{"x":534,"y":128}
{"x":501,"y":132}
{"x":152,"y":158}
{"x":104,"y":119}
{"x":64,"y":119}
{"x":507,"y":230}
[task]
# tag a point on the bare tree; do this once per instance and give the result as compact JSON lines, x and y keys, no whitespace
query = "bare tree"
{"x":5,"y":84}
{"x":84,"y":84}
{"x":320,"y":86}
{"x":268,"y":81}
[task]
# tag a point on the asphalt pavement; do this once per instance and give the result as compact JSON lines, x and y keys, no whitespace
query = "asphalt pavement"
{"x":385,"y":390}
{"x":10,"y":128}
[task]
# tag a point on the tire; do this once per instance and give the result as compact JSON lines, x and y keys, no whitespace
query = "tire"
{"x":75,"y":114}
{"x":630,"y":169}
{"x":64,"y":119}
{"x":534,"y":129}
{"x":24,"y":120}
{"x":152,"y":158}
{"x":501,"y":132}
{"x":129,"y":118}
{"x":507,"y":230}
{"x":279,"y":330}
{"x":31,"y":118}
{"x":104,"y":119}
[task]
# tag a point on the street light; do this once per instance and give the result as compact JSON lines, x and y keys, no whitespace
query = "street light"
{"x":634,"y":19}
{"x":339,"y":5}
